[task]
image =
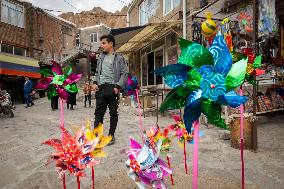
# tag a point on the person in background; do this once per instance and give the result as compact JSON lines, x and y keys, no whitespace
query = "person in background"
{"x":54,"y":102}
{"x":71,"y":100}
{"x":110,"y":78}
{"x":28,"y":86}
{"x":87,"y":91}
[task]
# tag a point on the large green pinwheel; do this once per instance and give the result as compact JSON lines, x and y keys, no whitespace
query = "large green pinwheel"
{"x":202,"y":81}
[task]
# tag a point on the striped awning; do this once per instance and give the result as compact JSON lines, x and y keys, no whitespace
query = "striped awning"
{"x":147,"y":35}
{"x":19,"y":66}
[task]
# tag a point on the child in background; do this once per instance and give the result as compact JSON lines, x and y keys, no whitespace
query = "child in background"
{"x":87,"y":91}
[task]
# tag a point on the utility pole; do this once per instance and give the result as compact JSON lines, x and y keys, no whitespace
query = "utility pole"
{"x":184,"y":19}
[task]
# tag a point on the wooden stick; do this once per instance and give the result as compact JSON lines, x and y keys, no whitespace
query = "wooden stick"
{"x":195,"y":155}
{"x":93,"y":177}
{"x":169,"y":164}
{"x":63,"y":181}
{"x":184,"y":154}
{"x":78,"y":182}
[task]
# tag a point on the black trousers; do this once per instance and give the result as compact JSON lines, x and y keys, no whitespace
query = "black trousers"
{"x":88,"y":98}
{"x":106,"y":97}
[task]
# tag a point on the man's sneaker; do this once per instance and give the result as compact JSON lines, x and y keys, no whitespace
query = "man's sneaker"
{"x":112,"y":141}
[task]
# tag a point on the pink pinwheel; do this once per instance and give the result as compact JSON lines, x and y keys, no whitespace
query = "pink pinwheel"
{"x":57,"y":81}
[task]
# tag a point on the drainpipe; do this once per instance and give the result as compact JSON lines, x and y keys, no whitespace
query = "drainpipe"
{"x":184,"y":19}
{"x":127,"y":19}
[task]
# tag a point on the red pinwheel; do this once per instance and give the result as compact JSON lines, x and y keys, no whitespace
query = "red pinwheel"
{"x":72,"y":153}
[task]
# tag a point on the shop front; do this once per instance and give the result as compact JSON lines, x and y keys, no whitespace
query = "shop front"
{"x":13,"y":69}
{"x":251,"y":29}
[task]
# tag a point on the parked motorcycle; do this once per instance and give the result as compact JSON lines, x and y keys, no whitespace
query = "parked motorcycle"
{"x":6,"y":106}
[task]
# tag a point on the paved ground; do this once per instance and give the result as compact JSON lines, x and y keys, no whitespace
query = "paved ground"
{"x":23,"y":158}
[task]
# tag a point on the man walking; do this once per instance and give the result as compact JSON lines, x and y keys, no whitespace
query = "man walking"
{"x":111,"y":75}
{"x":28,"y":86}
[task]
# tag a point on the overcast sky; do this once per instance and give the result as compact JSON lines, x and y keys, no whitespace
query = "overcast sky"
{"x":81,"y":5}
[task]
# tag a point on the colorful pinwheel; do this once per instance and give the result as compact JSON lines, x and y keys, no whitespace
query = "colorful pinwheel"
{"x":146,"y":168}
{"x":97,"y":134}
{"x":58,"y":81}
{"x":180,"y":131}
{"x":132,"y":85}
{"x":154,"y":134}
{"x":72,"y":153}
{"x":203,"y":80}
{"x":254,"y":63}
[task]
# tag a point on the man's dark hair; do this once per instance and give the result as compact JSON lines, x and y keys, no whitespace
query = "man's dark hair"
{"x":109,"y":38}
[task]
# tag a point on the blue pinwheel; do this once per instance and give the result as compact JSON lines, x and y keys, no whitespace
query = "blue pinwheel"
{"x":202,"y":81}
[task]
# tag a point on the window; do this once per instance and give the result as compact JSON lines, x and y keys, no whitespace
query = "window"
{"x":94,"y":37}
{"x":144,"y":70}
{"x":6,"y":48}
{"x":169,"y":5}
{"x":77,"y":39}
{"x":143,"y":13}
{"x":147,"y":9}
{"x":12,"y":13}
{"x":19,"y":51}
{"x":12,"y":50}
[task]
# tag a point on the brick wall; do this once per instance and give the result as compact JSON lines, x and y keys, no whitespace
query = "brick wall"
{"x":43,"y":35}
{"x":13,"y":35}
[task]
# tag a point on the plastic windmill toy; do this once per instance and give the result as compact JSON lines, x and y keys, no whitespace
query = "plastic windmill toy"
{"x":145,"y":166}
{"x":78,"y":153}
{"x":180,"y":131}
{"x":58,"y":81}
{"x":154,"y":134}
{"x":72,"y":153}
{"x":203,"y":80}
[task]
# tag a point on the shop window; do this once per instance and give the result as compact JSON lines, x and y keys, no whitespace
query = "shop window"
{"x":171,"y":40}
{"x":172,"y":55}
{"x":159,"y":59}
{"x":151,"y":67}
{"x":144,"y":70}
{"x":12,"y":13}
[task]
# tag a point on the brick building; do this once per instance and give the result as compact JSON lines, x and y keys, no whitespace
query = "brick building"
{"x":37,"y":33}
{"x":30,"y":36}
